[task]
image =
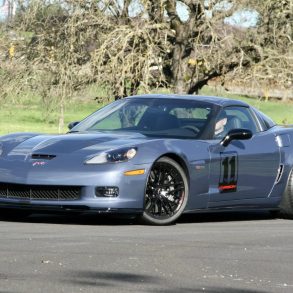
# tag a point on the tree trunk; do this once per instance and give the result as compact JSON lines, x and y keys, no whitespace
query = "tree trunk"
{"x":179,"y":68}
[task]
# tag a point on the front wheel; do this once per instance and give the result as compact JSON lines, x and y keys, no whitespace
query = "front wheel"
{"x":166,"y":192}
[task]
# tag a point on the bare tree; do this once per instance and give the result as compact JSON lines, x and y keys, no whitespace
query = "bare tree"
{"x":275,"y":38}
{"x":186,"y":53}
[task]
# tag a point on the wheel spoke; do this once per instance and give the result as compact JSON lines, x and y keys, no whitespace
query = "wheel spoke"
{"x":148,"y":204}
{"x":152,"y":206}
{"x":180,"y":188}
{"x":167,"y":205}
{"x":160,"y":207}
{"x":159,"y":177}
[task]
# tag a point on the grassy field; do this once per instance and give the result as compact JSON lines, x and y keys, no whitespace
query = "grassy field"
{"x":32,"y":118}
{"x":29,"y":115}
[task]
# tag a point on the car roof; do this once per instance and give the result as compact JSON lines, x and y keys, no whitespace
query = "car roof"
{"x":220,"y":101}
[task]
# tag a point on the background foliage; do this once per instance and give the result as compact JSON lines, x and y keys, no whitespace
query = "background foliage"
{"x":54,"y":51}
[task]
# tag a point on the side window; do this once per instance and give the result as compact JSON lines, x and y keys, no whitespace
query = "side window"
{"x":232,"y":118}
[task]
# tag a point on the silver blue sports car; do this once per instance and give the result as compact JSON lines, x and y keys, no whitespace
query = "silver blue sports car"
{"x":153,"y":156}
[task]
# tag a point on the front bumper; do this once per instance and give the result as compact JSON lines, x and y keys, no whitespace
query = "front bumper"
{"x":129,"y":200}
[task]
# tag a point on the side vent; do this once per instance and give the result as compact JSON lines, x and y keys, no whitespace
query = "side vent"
{"x":42,"y":157}
{"x":279,"y":174}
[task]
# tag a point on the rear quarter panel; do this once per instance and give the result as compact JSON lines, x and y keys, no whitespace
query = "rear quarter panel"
{"x":284,"y":138}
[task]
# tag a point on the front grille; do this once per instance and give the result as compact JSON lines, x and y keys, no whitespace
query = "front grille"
{"x":39,"y":192}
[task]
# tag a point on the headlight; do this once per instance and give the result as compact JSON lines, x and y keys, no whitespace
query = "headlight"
{"x":115,"y":156}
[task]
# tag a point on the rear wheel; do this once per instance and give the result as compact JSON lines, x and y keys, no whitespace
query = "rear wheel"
{"x":166,"y":192}
{"x":286,"y":206}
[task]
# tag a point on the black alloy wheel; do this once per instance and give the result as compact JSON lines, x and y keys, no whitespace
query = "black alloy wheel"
{"x":166,"y":192}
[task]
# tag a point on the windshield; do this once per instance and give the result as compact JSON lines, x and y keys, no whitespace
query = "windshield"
{"x":151,"y":117}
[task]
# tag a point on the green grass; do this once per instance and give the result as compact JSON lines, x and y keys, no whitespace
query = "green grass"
{"x":32,"y":118}
{"x":29,"y":115}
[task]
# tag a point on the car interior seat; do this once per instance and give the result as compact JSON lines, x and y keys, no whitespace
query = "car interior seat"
{"x":156,"y":120}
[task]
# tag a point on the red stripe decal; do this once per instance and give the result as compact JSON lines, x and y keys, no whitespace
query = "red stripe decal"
{"x":227,"y":187}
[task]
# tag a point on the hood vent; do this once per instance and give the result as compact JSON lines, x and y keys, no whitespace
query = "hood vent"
{"x":42,"y":157}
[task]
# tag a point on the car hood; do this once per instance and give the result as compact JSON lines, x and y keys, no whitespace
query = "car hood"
{"x":23,"y":145}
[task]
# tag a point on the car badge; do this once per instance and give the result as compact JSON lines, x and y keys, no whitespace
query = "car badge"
{"x":39,"y":163}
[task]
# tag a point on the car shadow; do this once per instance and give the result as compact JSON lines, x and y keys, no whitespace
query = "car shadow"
{"x":151,"y":283}
{"x":226,"y":217}
{"x":111,"y":220}
{"x":72,"y":219}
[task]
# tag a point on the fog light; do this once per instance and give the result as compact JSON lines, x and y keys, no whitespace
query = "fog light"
{"x":107,"y":191}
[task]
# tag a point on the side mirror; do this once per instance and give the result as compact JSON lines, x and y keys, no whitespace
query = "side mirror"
{"x":72,"y":124}
{"x":239,"y":133}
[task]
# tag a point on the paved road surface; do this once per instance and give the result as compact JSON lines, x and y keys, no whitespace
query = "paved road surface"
{"x":241,"y":253}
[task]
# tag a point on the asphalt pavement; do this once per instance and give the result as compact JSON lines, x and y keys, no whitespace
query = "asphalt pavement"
{"x":241,"y":253}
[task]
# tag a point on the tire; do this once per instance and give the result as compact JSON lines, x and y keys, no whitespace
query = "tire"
{"x":166,"y":193}
{"x":286,"y":205}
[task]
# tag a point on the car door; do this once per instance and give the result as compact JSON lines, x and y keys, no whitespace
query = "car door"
{"x":245,"y":169}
